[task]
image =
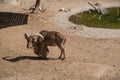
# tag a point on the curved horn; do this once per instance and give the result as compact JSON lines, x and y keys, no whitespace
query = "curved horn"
{"x":38,"y":34}
{"x":41,"y":36}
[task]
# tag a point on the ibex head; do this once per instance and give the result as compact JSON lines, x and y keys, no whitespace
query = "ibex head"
{"x":33,"y":39}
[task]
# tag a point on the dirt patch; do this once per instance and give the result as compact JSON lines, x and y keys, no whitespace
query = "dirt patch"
{"x":86,"y":58}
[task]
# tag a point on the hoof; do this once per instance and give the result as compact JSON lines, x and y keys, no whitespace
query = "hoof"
{"x":62,"y":58}
{"x":43,"y":58}
{"x":59,"y":57}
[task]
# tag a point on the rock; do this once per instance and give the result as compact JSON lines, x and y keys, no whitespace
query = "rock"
{"x":118,"y":19}
{"x":13,"y":2}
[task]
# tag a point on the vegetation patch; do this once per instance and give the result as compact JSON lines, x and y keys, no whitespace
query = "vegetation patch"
{"x":97,"y":20}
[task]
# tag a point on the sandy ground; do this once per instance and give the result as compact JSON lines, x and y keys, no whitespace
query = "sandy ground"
{"x":87,"y":58}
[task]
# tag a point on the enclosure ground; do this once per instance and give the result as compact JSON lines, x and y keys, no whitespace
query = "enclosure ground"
{"x":87,"y":58}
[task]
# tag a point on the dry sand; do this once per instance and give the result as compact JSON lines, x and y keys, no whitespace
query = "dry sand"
{"x":87,"y":58}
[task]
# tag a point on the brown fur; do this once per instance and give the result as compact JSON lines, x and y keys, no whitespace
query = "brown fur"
{"x":36,"y":42}
{"x":53,"y":38}
{"x":40,"y":49}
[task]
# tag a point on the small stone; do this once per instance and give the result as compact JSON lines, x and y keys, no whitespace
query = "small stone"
{"x":114,"y":65}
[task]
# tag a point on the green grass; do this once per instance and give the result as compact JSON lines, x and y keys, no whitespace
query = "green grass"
{"x":107,"y":21}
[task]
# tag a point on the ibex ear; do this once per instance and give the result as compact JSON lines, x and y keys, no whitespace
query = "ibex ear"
{"x":26,"y":36}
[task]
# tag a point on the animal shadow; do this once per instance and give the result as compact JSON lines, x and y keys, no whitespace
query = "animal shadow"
{"x":20,"y":58}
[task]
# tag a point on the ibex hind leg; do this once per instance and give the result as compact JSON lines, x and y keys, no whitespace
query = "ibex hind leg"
{"x":59,"y":46}
{"x":63,"y":50}
{"x":62,"y":53}
{"x":60,"y":56}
